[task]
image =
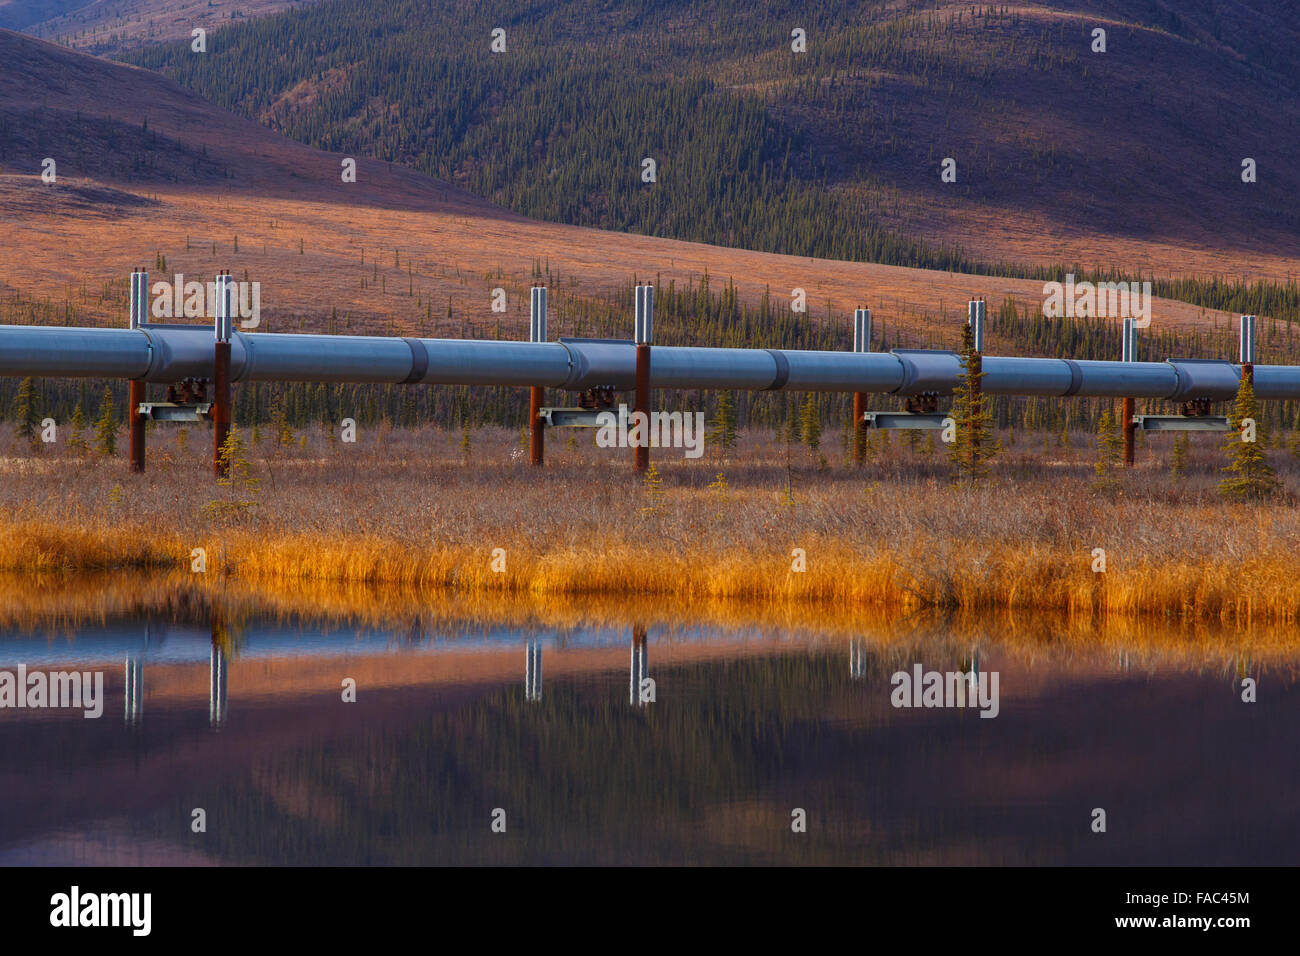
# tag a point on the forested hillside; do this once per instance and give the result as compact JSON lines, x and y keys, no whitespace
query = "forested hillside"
{"x":832,"y":152}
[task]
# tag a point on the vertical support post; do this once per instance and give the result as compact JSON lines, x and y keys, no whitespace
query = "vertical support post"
{"x":136,"y":389}
{"x":975,"y":313}
{"x":643,"y":335}
{"x":1127,"y":409}
{"x":136,"y":422}
{"x":537,"y":394}
{"x":139,"y":294}
{"x":859,"y":428}
{"x":1130,"y":430}
{"x":1248,"y":349}
{"x":536,"y":426}
{"x":221,"y":372}
{"x":861,"y":343}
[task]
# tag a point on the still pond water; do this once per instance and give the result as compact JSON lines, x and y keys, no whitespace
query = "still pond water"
{"x":490,"y":743}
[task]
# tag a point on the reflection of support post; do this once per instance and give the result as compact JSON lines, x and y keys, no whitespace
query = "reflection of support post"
{"x":857,"y":660}
{"x":643,"y":335}
{"x":533,"y":671}
{"x":537,"y":394}
{"x":861,"y":343}
{"x":640,"y":663}
{"x":217,"y":687}
{"x":134,"y":691}
{"x":221,"y":371}
{"x":1127,"y":410}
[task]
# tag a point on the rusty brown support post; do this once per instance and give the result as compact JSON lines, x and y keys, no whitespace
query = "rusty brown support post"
{"x":643,"y":335}
{"x":861,"y":343}
{"x":643,"y":404}
{"x":220,"y":406}
{"x":859,"y":427}
{"x":221,"y":375}
{"x":537,"y":426}
{"x":536,"y":394}
{"x":976,"y":314}
{"x":976,"y":369}
{"x":1128,"y":343}
{"x":136,"y":389}
{"x":1129,"y":431}
{"x":135,"y":395}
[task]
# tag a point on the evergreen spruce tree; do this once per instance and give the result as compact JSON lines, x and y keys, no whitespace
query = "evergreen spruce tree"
{"x":810,"y":423}
{"x":1110,"y":449}
{"x":26,"y":413}
{"x":1250,"y":475}
{"x":280,"y":422}
{"x":972,"y":415}
{"x":77,"y":431}
{"x":106,"y":425}
{"x":1178,"y":463}
{"x":237,"y":470}
{"x":723,"y":433}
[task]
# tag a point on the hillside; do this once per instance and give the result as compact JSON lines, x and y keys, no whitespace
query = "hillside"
{"x":150,"y":174}
{"x":1125,"y":160}
{"x":107,"y":27}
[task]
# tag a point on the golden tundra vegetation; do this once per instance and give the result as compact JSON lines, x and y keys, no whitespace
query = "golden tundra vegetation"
{"x":424,"y":511}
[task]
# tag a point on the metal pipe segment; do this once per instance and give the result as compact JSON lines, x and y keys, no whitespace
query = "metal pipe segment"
{"x":171,"y":353}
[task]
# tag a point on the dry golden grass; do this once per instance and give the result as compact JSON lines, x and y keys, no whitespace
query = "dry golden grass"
{"x":404,"y":509}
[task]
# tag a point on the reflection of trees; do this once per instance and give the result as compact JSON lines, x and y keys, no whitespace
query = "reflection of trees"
{"x":583,"y":778}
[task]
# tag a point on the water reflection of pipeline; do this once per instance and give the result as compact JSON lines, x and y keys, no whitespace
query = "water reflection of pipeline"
{"x":640,"y":686}
{"x":218,"y":677}
{"x":868,"y":657}
{"x":641,"y":689}
{"x":160,"y":640}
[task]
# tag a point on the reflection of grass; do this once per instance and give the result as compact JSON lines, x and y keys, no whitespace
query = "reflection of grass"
{"x":576,"y":530}
{"x":59,"y":602}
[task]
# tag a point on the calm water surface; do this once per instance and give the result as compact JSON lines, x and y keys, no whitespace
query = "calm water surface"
{"x":455,"y":727}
